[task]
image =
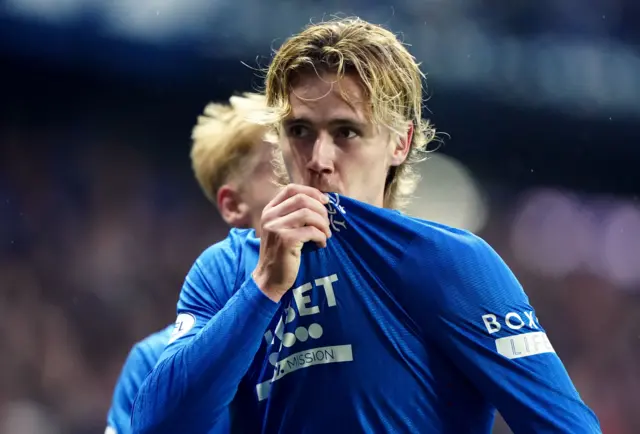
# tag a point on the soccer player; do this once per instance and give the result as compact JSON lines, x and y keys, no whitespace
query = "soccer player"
{"x":234,"y":170}
{"x":355,"y":318}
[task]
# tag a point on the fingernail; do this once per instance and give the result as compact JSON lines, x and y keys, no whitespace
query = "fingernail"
{"x":325,"y":198}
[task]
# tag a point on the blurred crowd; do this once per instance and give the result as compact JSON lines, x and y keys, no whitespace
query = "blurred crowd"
{"x":94,"y":248}
{"x":95,"y":240}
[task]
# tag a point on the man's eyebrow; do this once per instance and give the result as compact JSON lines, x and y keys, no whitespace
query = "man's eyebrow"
{"x":347,"y":121}
{"x":297,"y":120}
{"x":333,"y":122}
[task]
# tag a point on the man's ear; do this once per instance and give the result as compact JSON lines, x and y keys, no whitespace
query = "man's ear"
{"x":402,"y":147}
{"x":232,"y":208}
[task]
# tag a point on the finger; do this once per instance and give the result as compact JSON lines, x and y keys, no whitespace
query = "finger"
{"x":294,"y":203}
{"x":293,"y":189}
{"x":307,"y":234}
{"x":309,"y":191}
{"x":300,"y":218}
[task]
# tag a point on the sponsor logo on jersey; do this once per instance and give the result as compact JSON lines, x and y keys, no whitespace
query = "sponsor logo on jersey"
{"x":530,"y":341}
{"x":293,"y":329}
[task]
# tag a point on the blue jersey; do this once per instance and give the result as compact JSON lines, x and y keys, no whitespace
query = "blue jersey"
{"x":140,"y":361}
{"x":398,"y":325}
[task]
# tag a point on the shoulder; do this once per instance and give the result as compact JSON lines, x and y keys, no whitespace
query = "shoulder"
{"x":453,"y":258}
{"x":220,"y":261}
{"x":214,"y":275}
{"x":445,"y":243}
{"x":146,"y":352}
{"x":418,"y":236}
{"x":153,"y":345}
{"x":411,"y":241}
{"x":461,"y":271}
{"x":227,"y":249}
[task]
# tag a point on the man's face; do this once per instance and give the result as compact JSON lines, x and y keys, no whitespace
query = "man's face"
{"x":256,"y":185}
{"x":329,"y":143}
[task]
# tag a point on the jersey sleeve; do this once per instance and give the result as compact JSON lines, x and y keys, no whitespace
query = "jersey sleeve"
{"x":482,"y":320}
{"x":133,"y":373}
{"x":216,"y":337}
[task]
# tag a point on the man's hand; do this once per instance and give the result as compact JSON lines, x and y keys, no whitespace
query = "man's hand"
{"x":295,"y":216}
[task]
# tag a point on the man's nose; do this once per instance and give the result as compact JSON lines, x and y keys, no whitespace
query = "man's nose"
{"x":323,"y":154}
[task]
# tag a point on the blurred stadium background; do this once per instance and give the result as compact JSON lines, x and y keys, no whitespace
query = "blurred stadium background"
{"x":100,"y":217}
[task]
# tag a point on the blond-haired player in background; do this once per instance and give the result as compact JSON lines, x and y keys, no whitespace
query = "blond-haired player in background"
{"x":388,"y":324}
{"x":233,"y":167}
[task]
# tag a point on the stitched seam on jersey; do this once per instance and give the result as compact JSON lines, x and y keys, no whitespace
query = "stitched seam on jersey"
{"x":239,"y":258}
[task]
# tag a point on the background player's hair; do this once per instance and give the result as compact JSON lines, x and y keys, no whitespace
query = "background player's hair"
{"x":390,"y":76}
{"x":223,"y":140}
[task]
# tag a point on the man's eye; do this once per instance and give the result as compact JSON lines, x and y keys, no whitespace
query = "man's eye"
{"x":346,"y":133}
{"x":298,"y":131}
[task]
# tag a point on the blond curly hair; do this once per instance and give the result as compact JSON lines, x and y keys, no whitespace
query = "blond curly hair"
{"x":388,"y":73}
{"x":224,"y":138}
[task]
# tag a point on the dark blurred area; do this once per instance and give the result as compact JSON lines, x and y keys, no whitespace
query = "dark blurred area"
{"x":100,"y":217}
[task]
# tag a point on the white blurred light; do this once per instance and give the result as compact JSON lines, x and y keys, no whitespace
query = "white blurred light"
{"x":591,"y":253}
{"x":59,"y":11}
{"x":621,"y":245}
{"x":156,"y":20}
{"x":550,"y":233}
{"x":448,"y":194}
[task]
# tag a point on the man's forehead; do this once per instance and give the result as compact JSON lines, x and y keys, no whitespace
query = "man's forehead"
{"x":314,"y":96}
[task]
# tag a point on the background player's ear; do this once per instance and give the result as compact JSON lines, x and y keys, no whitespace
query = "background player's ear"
{"x":232,"y":208}
{"x":401,"y":146}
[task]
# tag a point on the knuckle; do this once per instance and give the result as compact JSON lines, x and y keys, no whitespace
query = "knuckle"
{"x":267,"y":227}
{"x":309,"y":200}
{"x":307,"y":214}
{"x":292,"y":188}
{"x":300,"y":199}
{"x":319,"y":234}
{"x":266,"y":223}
